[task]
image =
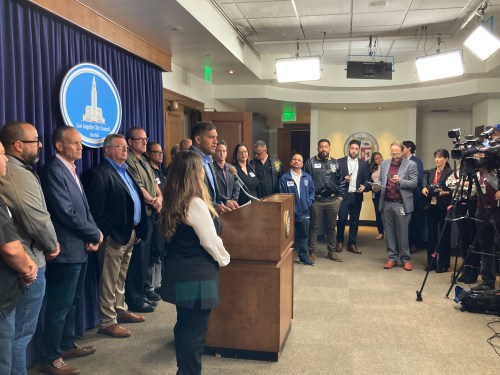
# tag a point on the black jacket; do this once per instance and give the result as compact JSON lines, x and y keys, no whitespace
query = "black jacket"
{"x":327,"y":176}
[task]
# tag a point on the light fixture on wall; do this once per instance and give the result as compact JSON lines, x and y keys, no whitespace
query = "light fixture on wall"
{"x":174,"y":106}
{"x":298,"y":69}
{"x":440,"y":65}
{"x":481,"y":42}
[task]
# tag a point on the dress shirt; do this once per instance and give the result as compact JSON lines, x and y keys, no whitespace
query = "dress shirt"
{"x":352,"y":166}
{"x":206,"y":161}
{"x":122,"y":171}
{"x":198,"y":217}
{"x":72,"y":169}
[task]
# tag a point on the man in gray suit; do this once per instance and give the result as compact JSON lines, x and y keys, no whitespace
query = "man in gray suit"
{"x":22,"y":192}
{"x":399,"y":176}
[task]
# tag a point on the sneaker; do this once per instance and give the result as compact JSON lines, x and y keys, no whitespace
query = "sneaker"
{"x":306,"y":261}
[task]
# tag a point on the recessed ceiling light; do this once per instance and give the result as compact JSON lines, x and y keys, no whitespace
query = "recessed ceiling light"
{"x":344,"y":108}
{"x":380,"y":107}
{"x":177,"y":28}
{"x":231,"y":71}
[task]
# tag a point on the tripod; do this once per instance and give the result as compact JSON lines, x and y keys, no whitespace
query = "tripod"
{"x":468,"y":178}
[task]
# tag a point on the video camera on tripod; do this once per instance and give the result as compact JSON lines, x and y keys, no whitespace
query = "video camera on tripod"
{"x":476,"y":152}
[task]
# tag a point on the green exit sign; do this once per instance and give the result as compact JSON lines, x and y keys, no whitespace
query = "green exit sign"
{"x":289,"y":116}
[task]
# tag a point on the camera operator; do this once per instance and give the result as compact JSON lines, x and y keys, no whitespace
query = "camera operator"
{"x":439,"y":198}
{"x":486,"y":213}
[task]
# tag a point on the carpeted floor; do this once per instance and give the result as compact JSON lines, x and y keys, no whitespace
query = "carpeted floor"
{"x":350,"y":318}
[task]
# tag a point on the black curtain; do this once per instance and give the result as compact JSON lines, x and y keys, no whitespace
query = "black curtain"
{"x":37,"y":48}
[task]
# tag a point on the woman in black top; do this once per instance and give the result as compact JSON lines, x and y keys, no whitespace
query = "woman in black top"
{"x":246,"y":173}
{"x":195,"y":253}
{"x":439,"y":198}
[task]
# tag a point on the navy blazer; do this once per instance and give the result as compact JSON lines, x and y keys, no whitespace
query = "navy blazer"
{"x":362,"y":178}
{"x":69,"y":212}
{"x":111,"y":204}
{"x":229,"y":189}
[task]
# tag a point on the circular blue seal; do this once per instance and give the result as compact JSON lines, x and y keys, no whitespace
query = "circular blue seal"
{"x":90,"y":103}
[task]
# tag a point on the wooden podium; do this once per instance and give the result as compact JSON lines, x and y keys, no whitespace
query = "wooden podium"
{"x":255,"y":316}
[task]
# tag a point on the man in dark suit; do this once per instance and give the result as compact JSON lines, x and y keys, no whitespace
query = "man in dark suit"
{"x":356,"y":178}
{"x":398,"y":176}
{"x":225,"y":180}
{"x":204,"y":137}
{"x":117,"y":205}
{"x":415,"y":230}
{"x":77,"y":234}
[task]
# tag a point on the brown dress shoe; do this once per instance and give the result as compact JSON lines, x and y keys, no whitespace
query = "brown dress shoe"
{"x":58,"y":367}
{"x":129,"y":317}
{"x":312,"y":257}
{"x":353,"y":249}
{"x":338,"y":247}
{"x":115,"y":330}
{"x":407,"y":266}
{"x":334,"y":257}
{"x":78,"y":351}
{"x":390,"y":264}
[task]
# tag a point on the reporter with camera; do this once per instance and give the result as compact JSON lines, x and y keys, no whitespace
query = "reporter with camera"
{"x":438,"y":200}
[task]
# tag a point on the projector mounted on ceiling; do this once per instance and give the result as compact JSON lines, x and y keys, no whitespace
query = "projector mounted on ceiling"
{"x":369,"y":69}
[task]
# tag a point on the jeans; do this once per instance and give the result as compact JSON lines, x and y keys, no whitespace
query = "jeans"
{"x":27,"y":312}
{"x":64,"y":290}
{"x":7,"y":329}
{"x":301,"y":237}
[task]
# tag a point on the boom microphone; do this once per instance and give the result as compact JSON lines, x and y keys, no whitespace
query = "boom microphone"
{"x":238,"y":180}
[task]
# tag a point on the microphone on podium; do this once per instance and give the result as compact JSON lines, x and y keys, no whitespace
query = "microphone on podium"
{"x":243,"y":187}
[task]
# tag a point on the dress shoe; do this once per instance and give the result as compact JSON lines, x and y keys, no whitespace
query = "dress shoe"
{"x":78,"y":351}
{"x":407,"y":266}
{"x":353,"y":249}
{"x":390,"y":264}
{"x":129,"y":317}
{"x":58,"y":367}
{"x":153,"y":296}
{"x":334,"y":257}
{"x":469,"y":275}
{"x":441,"y":269}
{"x":115,"y":330}
{"x":483,"y":287}
{"x":338,"y":247}
{"x":150,"y":302}
{"x":312,"y":257}
{"x":306,"y":261}
{"x":144,"y":308}
{"x":380,"y":236}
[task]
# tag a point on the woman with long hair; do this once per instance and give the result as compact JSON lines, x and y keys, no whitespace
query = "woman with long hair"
{"x":374,"y":168}
{"x":438,"y":199}
{"x":195,"y":253}
{"x":246,"y":173}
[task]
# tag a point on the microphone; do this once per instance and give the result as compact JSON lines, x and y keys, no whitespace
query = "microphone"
{"x":232,"y":170}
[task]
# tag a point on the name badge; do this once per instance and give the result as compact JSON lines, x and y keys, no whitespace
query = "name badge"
{"x":290,"y":183}
{"x":317,"y":165}
{"x":158,"y":181}
{"x":306,"y":183}
{"x":252,"y":174}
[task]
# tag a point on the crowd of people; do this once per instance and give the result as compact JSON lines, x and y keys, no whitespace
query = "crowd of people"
{"x":156,"y":229}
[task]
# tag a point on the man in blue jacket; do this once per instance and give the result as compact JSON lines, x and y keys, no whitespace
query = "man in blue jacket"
{"x":300,"y":184}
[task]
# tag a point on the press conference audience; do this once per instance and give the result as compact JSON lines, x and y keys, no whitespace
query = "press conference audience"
{"x":195,"y":253}
{"x":246,"y":173}
{"x":438,"y":199}
{"x":22,"y":192}
{"x":374,"y":168}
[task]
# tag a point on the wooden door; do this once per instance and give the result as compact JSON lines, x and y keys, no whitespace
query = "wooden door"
{"x":284,"y":145}
{"x":232,"y":127}
{"x":174,"y":131}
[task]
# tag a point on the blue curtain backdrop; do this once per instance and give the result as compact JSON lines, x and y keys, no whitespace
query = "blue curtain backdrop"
{"x":36,"y":50}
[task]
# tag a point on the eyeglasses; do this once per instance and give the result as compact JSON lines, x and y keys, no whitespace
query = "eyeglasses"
{"x":121,"y":148}
{"x":141,"y":139}
{"x":258,"y":153}
{"x":156,"y":152}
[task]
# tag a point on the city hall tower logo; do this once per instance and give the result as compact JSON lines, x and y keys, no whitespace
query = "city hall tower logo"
{"x":90,"y":103}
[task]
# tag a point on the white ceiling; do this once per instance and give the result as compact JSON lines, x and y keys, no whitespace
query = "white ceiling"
{"x":403,"y":29}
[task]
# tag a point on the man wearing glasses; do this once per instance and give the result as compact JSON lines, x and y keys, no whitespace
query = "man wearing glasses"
{"x":117,"y":206}
{"x":399,"y":176}
{"x":141,"y":171}
{"x":22,"y":192}
{"x":268,"y":169}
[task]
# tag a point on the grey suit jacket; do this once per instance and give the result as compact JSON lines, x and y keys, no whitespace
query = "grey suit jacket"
{"x":408,"y":174}
{"x":23,"y":194}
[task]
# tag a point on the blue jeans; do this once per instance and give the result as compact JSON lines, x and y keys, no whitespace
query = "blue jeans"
{"x":27,"y":312}
{"x":64,"y":290}
{"x":301,"y":237}
{"x":7,"y":328}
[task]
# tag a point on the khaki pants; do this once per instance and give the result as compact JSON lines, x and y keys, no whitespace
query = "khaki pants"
{"x":114,"y":260}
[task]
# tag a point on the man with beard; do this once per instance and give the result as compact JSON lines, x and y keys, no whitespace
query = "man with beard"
{"x":22,"y":192}
{"x":398,"y":176}
{"x":329,"y":189}
{"x":356,"y":176}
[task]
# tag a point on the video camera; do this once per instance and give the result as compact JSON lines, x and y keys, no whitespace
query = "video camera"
{"x":485,"y":145}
